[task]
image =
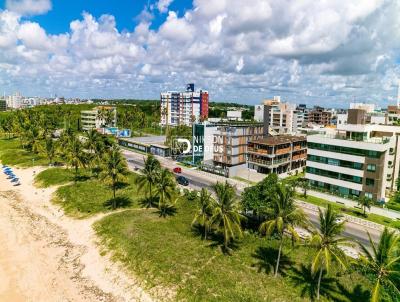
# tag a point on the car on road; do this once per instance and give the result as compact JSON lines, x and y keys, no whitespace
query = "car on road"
{"x":182,"y":180}
{"x":177,"y":170}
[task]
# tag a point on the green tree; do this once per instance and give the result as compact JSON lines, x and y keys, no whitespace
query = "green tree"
{"x":95,"y":145}
{"x":365,"y":203}
{"x":75,"y":155}
{"x":148,"y":177}
{"x":165,"y":186}
{"x":283,"y":218}
{"x":50,"y":149}
{"x":383,"y":261}
{"x":114,"y":169}
{"x":204,"y":211}
{"x":327,"y":240}
{"x":226,"y":213}
{"x":257,"y":199}
{"x":304,"y":184}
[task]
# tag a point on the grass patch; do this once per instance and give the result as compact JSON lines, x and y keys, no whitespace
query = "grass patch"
{"x":349,"y":211}
{"x":58,"y":176}
{"x":169,"y":253}
{"x":11,"y":153}
{"x":83,"y":199}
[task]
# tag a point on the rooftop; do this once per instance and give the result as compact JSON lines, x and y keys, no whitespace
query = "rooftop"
{"x":280,"y":139}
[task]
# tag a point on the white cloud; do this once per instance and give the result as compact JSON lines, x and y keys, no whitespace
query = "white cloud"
{"x":162,"y":5}
{"x":29,"y":7}
{"x":324,"y":51}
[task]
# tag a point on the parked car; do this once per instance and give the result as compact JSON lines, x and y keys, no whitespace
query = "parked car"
{"x":177,"y":170}
{"x":182,"y":180}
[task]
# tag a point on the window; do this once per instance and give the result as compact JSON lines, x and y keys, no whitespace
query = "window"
{"x":371,"y":167}
{"x":370,"y":182}
{"x":368,"y":195}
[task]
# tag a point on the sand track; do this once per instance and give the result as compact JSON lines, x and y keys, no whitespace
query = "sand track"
{"x":46,"y":256}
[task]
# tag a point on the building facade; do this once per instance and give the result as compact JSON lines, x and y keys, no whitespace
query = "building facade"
{"x":184,"y":108}
{"x":277,"y":154}
{"x":320,"y":116}
{"x":99,"y":117}
{"x":230,"y":143}
{"x":279,"y":118}
{"x":3,"y":105}
{"x":356,"y":160}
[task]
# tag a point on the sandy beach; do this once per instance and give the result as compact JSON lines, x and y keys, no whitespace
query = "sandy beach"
{"x":47,"y":256}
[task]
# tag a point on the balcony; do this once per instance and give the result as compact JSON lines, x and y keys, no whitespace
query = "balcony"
{"x":299,"y":157}
{"x":282,"y":151}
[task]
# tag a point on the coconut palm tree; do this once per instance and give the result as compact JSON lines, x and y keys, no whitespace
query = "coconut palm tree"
{"x":365,"y":202}
{"x":284,"y":217}
{"x":226,"y":213}
{"x":204,"y":212}
{"x":114,"y":169}
{"x":165,"y":186}
{"x":148,"y":177}
{"x":75,"y":155}
{"x":94,"y":144}
{"x":383,"y":262}
{"x":327,"y":240}
{"x":50,"y":149}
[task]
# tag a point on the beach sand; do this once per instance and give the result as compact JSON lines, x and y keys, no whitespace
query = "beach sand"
{"x":47,"y":256}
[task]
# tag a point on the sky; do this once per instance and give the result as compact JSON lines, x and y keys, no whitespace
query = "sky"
{"x":324,"y":52}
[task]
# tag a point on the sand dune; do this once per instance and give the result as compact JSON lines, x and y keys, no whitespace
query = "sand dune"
{"x":46,"y":256}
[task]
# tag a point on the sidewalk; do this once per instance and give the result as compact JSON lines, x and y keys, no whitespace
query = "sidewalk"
{"x":351,"y":204}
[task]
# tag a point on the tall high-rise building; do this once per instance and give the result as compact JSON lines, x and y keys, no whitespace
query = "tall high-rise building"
{"x":184,"y":108}
{"x":277,"y":116}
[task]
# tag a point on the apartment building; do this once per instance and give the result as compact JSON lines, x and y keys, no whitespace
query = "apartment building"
{"x":280,"y":118}
{"x":320,"y":116}
{"x":356,"y":159}
{"x":99,"y":117}
{"x":230,"y":144}
{"x":184,"y":108}
{"x":277,"y":154}
{"x":3,"y":105}
{"x":302,"y":115}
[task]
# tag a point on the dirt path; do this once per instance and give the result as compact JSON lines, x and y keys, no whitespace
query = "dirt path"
{"x":46,"y":256}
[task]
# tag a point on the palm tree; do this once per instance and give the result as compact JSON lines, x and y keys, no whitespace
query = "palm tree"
{"x":327,"y":240}
{"x":75,"y":156}
{"x":95,"y":145}
{"x":305,"y":185}
{"x":50,"y":149}
{"x":204,"y":212}
{"x":383,"y":262}
{"x":285,"y":216}
{"x":101,"y":115}
{"x":226,"y":212}
{"x":148,"y":177}
{"x":165,"y":185}
{"x":365,"y":202}
{"x":114,"y":169}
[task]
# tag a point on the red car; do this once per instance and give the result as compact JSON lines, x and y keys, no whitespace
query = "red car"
{"x":177,"y":170}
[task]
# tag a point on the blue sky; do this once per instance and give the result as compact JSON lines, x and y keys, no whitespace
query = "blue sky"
{"x":239,"y":50}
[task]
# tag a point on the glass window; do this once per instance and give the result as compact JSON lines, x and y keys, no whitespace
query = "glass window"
{"x":369,"y":182}
{"x":368,"y":195}
{"x":371,"y":167}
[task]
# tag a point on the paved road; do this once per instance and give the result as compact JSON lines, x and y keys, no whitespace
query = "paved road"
{"x":198,"y":181}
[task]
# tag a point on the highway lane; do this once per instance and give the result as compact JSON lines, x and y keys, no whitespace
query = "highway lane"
{"x":353,"y":230}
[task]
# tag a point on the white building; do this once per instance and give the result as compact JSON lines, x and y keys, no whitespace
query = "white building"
{"x":280,"y":117}
{"x":99,"y":117}
{"x":357,"y":159}
{"x":234,"y":115}
{"x":15,"y":101}
{"x":184,"y":108}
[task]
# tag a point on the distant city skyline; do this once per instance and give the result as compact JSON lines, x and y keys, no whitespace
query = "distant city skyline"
{"x":320,"y":53}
